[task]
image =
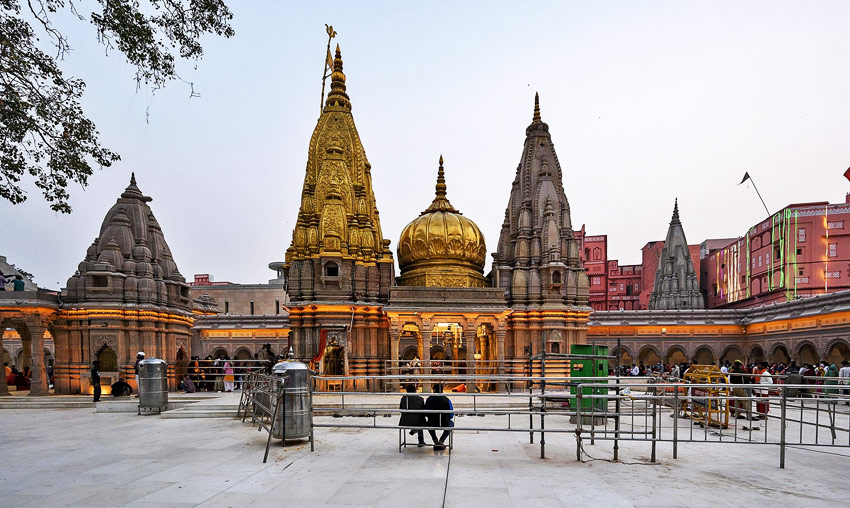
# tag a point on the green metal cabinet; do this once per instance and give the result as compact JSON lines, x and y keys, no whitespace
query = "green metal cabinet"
{"x":590,"y":367}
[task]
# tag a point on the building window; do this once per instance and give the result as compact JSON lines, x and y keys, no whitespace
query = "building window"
{"x":833,"y":275}
{"x":767,"y":258}
{"x":759,"y":261}
{"x":556,"y":277}
{"x":100,"y":281}
{"x":597,"y":254}
{"x":833,"y":250}
{"x":251,"y":305}
{"x":799,"y":252}
{"x":622,"y":288}
{"x":332,"y":270}
{"x":277,"y":306}
{"x":801,"y":234}
{"x":839,"y":224}
{"x":596,"y":281}
{"x":800,"y":271}
{"x":227,"y":307}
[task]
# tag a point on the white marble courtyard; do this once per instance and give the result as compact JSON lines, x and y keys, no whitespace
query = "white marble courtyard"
{"x":76,"y":457}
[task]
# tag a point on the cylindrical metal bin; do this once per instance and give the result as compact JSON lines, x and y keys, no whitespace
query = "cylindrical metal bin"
{"x":153,"y":385}
{"x":295,"y":418}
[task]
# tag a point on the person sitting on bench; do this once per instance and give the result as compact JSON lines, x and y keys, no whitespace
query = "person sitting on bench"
{"x":413,"y":419}
{"x":443,"y":420}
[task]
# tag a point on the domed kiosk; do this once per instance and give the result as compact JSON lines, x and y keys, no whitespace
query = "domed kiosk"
{"x":441,"y":247}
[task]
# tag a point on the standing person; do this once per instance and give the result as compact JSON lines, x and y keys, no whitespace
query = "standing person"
{"x":139,"y":357}
{"x":764,"y":378}
{"x":3,"y":282}
{"x":441,"y":420}
{"x":228,"y":375}
{"x":831,"y":379}
{"x":844,"y":375}
{"x":19,"y":284}
{"x":95,"y":379}
{"x":413,"y":419}
{"x":737,"y":376}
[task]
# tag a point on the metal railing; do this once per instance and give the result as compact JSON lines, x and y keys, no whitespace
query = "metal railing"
{"x":614,"y":409}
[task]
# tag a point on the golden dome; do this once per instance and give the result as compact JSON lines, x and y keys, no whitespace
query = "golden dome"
{"x":441,"y":247}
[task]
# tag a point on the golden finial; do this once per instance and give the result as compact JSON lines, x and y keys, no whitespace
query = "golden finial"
{"x":337,"y":94}
{"x":536,"y":108}
{"x":440,"y":201}
{"x":441,"y":179}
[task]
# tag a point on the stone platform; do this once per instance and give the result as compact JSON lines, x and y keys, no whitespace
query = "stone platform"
{"x":81,"y":458}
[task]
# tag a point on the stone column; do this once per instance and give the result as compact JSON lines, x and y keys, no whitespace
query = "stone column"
{"x":470,"y":339}
{"x":4,"y":389}
{"x":500,"y":357}
{"x":394,"y":371}
{"x":425,"y":350}
{"x":38,"y":386}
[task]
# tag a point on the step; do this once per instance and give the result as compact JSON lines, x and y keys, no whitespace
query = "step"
{"x":189,"y":413}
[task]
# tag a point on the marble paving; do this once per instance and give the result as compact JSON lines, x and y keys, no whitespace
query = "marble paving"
{"x":79,"y":458}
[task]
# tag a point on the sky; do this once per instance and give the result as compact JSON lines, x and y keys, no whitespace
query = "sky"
{"x":646,"y":102}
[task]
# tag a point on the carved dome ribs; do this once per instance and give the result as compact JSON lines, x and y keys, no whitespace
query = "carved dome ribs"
{"x":441,"y":247}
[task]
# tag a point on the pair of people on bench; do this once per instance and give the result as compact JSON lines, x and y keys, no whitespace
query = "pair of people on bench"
{"x":435,"y":402}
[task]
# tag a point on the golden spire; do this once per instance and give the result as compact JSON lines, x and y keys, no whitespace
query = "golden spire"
{"x":536,"y":118}
{"x":440,"y":201}
{"x":440,"y":188}
{"x":337,"y":95}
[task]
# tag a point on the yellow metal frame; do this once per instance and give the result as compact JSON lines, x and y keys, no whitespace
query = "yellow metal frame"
{"x":707,"y":403}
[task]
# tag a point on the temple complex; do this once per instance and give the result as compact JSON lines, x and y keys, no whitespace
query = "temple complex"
{"x":337,"y":303}
{"x":676,"y":285}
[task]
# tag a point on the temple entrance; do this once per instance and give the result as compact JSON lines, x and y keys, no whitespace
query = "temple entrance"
{"x":333,"y":360}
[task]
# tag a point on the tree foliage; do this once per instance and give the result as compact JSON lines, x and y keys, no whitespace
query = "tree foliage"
{"x":44,"y":132}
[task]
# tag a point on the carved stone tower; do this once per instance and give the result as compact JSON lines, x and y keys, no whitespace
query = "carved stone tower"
{"x":537,"y":260}
{"x":676,"y":285}
{"x":126,"y":296}
{"x":339,"y":268}
{"x":338,"y":252}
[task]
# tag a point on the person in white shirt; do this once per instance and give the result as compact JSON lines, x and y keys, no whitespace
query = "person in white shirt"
{"x":844,"y":375}
{"x":635,"y":370}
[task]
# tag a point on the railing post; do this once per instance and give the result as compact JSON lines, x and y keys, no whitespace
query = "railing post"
{"x":578,"y":422}
{"x":782,"y":428}
{"x":654,"y":425}
{"x":676,"y":422}
{"x":617,"y":417}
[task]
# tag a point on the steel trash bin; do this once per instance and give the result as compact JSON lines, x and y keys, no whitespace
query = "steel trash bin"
{"x":295,"y":418}
{"x":153,"y":385}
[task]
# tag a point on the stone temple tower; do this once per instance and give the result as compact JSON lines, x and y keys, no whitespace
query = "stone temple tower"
{"x":126,"y":296}
{"x":537,"y":259}
{"x":339,"y":268}
{"x":676,"y":285}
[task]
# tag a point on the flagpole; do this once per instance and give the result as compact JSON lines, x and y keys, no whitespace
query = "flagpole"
{"x":331,"y":34}
{"x":748,"y":177}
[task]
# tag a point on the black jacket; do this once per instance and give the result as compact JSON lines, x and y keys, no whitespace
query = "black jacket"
{"x":412,"y":419}
{"x":95,"y":376}
{"x":438,"y":402}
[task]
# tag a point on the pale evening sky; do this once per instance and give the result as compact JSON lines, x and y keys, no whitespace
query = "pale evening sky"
{"x":646,"y":101}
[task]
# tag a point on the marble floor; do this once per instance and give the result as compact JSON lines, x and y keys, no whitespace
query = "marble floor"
{"x":79,"y":458}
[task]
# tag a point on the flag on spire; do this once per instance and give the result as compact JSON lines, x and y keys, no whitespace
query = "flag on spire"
{"x":847,"y":174}
{"x":747,"y":176}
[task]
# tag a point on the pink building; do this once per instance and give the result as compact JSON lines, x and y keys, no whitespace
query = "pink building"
{"x":802,"y":250}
